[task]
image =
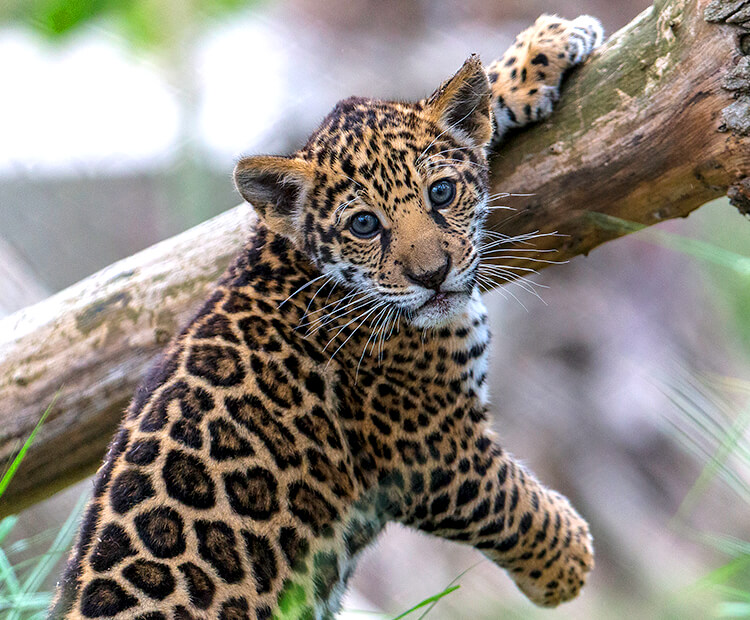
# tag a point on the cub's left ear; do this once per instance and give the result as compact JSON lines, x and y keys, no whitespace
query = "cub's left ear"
{"x":276,"y":187}
{"x":462,"y":104}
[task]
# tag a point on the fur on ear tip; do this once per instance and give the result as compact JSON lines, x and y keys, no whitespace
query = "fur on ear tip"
{"x":275,"y":187}
{"x":462,"y":103}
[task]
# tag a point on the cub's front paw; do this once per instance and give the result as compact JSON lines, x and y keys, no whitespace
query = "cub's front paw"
{"x":526,"y":80}
{"x":560,"y":560}
{"x":585,"y":35}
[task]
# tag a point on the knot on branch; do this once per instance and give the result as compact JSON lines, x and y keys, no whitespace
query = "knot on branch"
{"x":739,"y":196}
{"x":736,"y":116}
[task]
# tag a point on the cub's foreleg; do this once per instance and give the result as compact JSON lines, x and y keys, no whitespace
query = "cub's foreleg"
{"x":526,"y":80}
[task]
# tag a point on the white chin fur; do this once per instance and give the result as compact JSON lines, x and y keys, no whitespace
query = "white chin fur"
{"x":440,"y":315}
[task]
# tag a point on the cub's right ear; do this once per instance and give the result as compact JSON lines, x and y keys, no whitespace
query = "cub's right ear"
{"x":276,"y":187}
{"x":462,"y":104}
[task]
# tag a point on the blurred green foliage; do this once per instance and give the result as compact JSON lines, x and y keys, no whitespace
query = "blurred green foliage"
{"x":148,"y":23}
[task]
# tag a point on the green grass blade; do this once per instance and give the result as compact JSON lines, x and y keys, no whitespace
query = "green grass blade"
{"x":742,"y":595}
{"x":427,"y":601}
{"x":8,"y":463}
{"x":453,"y":581}
{"x":47,"y":561}
{"x":714,"y":466}
{"x":694,"y":247}
{"x":8,"y":578}
{"x":6,"y":525}
{"x":733,"y":610}
{"x":24,"y":604}
{"x":11,"y":471}
{"x":724,"y":573}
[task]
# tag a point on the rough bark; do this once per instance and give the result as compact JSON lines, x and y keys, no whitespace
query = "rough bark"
{"x":655,"y":125}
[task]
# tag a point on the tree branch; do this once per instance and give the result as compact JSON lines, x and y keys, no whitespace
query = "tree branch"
{"x":655,"y":125}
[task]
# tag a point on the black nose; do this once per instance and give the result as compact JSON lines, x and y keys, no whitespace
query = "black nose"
{"x":431,"y":279}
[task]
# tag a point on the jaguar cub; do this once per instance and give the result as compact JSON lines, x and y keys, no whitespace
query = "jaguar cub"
{"x":336,"y":378}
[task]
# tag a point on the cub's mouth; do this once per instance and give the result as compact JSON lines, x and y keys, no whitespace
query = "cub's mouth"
{"x":440,"y":308}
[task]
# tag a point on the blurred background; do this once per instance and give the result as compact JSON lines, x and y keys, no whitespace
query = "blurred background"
{"x":626,"y":386}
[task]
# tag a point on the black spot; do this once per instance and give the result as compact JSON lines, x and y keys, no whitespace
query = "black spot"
{"x":226,"y":442}
{"x":315,"y":384}
{"x":152,"y":615}
{"x":481,"y":511}
{"x":234,"y":609}
{"x":294,"y":547}
{"x":411,"y":451}
{"x":238,"y":302}
{"x":218,"y":364}
{"x":279,"y":441}
{"x":440,"y":504}
{"x":325,"y":574}
{"x":358,"y":535}
{"x":202,"y":398}
{"x":440,"y":478}
{"x":152,"y":578}
{"x":217,"y":545}
{"x":468,"y":491}
{"x":318,"y":427}
{"x":215,"y":326}
{"x":200,"y":586}
{"x":187,"y":433}
{"x":129,"y":489}
{"x":493,"y":528}
{"x":507,"y":543}
{"x":180,"y":613}
{"x":154,"y":417}
{"x":161,"y":531}
{"x":417,"y":482}
{"x":112,"y":547}
{"x":525,"y":523}
{"x":381,"y":424}
{"x":310,"y":507}
{"x":263,"y":612}
{"x":514,"y":495}
{"x":188,"y":481}
{"x":292,"y":365}
{"x":142,"y":452}
{"x":540,"y":59}
{"x":262,"y":559}
{"x":252,"y":493}
{"x":105,"y":597}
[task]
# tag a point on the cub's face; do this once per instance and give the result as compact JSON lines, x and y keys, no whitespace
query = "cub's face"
{"x":388,"y":198}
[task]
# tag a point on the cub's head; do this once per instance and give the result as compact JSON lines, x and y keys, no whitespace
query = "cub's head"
{"x":388,"y":198}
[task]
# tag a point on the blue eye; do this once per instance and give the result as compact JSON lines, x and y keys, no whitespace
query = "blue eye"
{"x":442,"y":193}
{"x":364,"y":224}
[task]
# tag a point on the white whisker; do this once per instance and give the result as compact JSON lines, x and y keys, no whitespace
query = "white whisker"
{"x":301,"y":288}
